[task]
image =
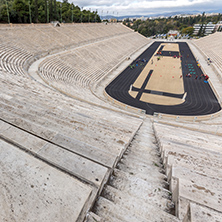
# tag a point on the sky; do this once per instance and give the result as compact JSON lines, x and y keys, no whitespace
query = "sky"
{"x":147,"y":7}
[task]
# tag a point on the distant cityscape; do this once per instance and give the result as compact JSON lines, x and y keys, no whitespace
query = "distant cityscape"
{"x":168,"y":15}
{"x":198,"y":28}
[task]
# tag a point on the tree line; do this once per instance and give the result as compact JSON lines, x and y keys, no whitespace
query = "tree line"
{"x":44,"y":11}
{"x":184,"y":25}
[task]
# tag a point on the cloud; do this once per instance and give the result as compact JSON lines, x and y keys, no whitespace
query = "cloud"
{"x":143,"y":7}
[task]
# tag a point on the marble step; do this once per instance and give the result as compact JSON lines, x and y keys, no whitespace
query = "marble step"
{"x":91,"y":217}
{"x":170,"y":148}
{"x":200,"y":165}
{"x":199,"y":213}
{"x":49,"y":132}
{"x":76,"y":165}
{"x":31,"y":188}
{"x":189,"y":174}
{"x":80,"y":148}
{"x":107,"y":209}
{"x":133,"y":184}
{"x":96,"y":136}
{"x":131,"y":201}
{"x":188,"y":191}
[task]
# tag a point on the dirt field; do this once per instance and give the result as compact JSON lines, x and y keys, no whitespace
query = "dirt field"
{"x":165,"y":78}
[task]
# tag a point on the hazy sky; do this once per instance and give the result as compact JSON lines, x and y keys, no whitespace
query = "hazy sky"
{"x":144,"y":7}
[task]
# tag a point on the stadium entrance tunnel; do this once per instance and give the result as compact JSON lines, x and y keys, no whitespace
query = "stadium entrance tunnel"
{"x":166,"y":78}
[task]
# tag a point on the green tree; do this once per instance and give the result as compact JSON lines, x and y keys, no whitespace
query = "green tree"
{"x":44,"y":11}
{"x":188,"y":30}
{"x":22,"y":10}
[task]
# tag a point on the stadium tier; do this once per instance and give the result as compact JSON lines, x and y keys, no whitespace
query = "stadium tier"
{"x":68,"y":154}
{"x":194,"y":175}
{"x":76,"y":71}
{"x":211,"y":47}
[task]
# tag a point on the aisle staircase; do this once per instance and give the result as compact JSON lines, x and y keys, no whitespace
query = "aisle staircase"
{"x":137,"y":190}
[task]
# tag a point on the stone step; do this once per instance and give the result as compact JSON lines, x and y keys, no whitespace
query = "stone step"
{"x":68,"y":109}
{"x":47,"y":130}
{"x":44,"y":109}
{"x":93,"y":153}
{"x":138,"y":153}
{"x":209,"y":160}
{"x":188,"y":191}
{"x":195,"y":135}
{"x":199,"y":213}
{"x":141,"y":170}
{"x":72,"y":163}
{"x":69,"y":118}
{"x":184,"y":136}
{"x":211,"y":144}
{"x":108,"y":209}
{"x":166,"y":147}
{"x":133,"y":184}
{"x":91,"y":217}
{"x":130,"y":201}
{"x":83,"y":149}
{"x":31,"y":188}
{"x":142,"y":147}
{"x":78,"y":166}
{"x":200,"y":165}
{"x":188,"y":174}
{"x":28,"y":126}
{"x":201,"y":126}
{"x":83,"y":133}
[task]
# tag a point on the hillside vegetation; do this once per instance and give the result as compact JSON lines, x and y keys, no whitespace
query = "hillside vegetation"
{"x":152,"y":27}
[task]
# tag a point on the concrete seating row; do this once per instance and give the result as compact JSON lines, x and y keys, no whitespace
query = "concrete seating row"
{"x":13,"y":60}
{"x":192,"y":161}
{"x":86,"y":65}
{"x":55,"y":137}
{"x":211,"y":46}
{"x":75,"y":139}
{"x":24,"y":44}
{"x":212,"y":126}
{"x":86,"y":128}
{"x":31,"y":188}
{"x":136,"y":190}
{"x":37,"y":39}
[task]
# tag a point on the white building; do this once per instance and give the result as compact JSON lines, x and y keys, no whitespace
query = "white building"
{"x":206,"y":28}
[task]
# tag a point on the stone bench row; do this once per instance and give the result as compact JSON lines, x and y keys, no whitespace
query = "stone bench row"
{"x":38,"y":39}
{"x":33,"y":188}
{"x":211,"y":46}
{"x":213,"y":126}
{"x":82,"y":127}
{"x":13,"y":60}
{"x":18,"y":92}
{"x":83,"y":168}
{"x":97,"y":135}
{"x":86,"y":65}
{"x":193,"y":169}
{"x":191,"y":138}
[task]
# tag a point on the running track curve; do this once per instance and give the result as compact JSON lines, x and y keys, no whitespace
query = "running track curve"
{"x":200,"y":99}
